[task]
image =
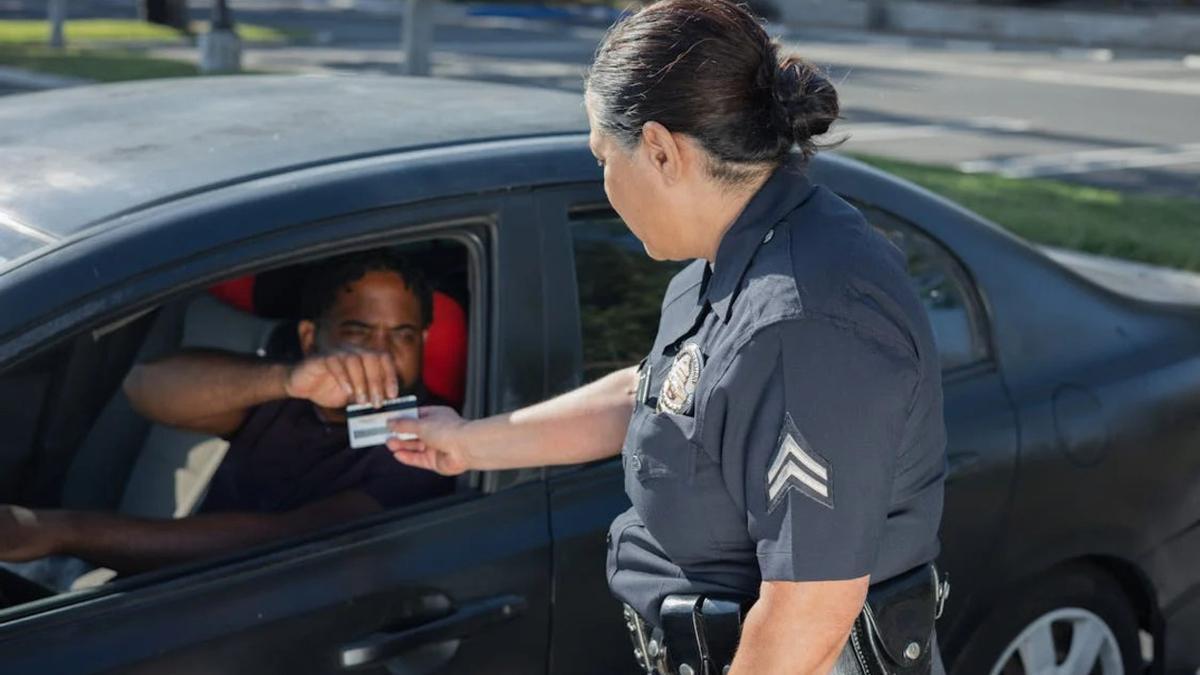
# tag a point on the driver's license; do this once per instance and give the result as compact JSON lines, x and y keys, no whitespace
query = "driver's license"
{"x":368,"y":425}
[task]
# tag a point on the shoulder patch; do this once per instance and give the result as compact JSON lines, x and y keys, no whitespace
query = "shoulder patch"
{"x":796,"y":466}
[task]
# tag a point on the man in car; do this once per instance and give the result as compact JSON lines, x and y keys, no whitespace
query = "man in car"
{"x":289,"y":467}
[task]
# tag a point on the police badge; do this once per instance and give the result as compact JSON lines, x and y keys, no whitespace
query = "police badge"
{"x":679,"y":388}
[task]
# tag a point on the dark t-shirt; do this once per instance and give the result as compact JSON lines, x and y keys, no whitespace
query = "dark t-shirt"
{"x":285,"y":456}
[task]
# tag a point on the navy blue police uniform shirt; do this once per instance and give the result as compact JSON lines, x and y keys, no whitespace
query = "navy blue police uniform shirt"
{"x":789,"y":417}
{"x":284,"y":456}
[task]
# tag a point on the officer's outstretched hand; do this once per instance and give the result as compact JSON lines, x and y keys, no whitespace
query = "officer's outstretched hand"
{"x":439,"y":445}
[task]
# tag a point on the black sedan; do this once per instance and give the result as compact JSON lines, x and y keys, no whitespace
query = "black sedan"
{"x":138,"y":218}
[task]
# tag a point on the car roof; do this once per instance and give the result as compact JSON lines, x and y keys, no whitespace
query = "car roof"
{"x":76,"y":157}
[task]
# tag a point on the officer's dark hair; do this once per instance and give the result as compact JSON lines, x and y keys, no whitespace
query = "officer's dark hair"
{"x":707,"y":68}
{"x":327,"y":278}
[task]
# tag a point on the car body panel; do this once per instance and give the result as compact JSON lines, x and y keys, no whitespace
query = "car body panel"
{"x":294,"y":610}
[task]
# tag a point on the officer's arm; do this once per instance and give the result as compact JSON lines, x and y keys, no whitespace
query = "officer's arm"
{"x":583,"y":425}
{"x":772,"y":640}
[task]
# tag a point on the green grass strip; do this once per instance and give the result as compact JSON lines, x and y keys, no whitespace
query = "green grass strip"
{"x":101,"y":65}
{"x":83,"y":31}
{"x":1154,"y":229}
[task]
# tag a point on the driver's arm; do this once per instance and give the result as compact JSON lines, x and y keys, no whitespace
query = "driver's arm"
{"x":204,"y":390}
{"x":212,"y":391}
{"x":129,"y":545}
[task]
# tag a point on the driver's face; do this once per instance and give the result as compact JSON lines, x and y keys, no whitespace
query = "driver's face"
{"x":381,"y":313}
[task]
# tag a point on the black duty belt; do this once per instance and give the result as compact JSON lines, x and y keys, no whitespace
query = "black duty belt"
{"x":893,"y":634}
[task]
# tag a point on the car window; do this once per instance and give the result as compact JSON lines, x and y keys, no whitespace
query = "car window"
{"x":76,"y":442}
{"x":620,"y":292}
{"x":621,"y":289}
{"x":944,"y":289}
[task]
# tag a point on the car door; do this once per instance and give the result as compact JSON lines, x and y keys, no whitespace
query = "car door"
{"x":602,"y":312}
{"x":454,"y":586}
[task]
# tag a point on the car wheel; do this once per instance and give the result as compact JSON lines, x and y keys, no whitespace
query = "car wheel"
{"x":1075,"y":622}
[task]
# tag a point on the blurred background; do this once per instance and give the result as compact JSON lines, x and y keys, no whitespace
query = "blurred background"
{"x":1074,"y":123}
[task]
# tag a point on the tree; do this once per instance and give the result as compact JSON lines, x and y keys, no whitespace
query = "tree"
{"x":877,"y":15}
{"x":173,"y":13}
{"x":418,"y":36}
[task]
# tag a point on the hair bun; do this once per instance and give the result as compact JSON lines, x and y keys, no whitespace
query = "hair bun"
{"x":807,"y":100}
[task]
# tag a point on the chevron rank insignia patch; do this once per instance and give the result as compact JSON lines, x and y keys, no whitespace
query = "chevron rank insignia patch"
{"x":796,"y":466}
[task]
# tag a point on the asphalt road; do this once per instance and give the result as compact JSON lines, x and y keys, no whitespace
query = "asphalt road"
{"x":1121,"y":119}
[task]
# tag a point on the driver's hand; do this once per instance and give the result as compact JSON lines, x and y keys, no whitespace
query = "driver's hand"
{"x":341,"y":378}
{"x":24,"y":535}
{"x":439,"y":445}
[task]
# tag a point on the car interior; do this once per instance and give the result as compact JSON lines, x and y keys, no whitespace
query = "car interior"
{"x":73,"y":440}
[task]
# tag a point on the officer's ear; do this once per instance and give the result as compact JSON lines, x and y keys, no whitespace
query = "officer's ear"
{"x":664,"y":152}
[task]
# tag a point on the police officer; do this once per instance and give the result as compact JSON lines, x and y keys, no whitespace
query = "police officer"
{"x":783,"y":440}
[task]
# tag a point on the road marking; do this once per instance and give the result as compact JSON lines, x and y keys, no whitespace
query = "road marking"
{"x":862,"y":56}
{"x":1080,"y":54}
{"x":1087,"y":161}
{"x":968,"y":46}
{"x":886,"y":131}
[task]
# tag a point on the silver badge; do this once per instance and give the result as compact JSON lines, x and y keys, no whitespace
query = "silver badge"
{"x":679,"y":388}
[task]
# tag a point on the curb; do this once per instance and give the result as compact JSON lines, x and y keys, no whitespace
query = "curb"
{"x":20,"y":78}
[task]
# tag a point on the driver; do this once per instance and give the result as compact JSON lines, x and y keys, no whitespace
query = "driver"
{"x":289,"y":467}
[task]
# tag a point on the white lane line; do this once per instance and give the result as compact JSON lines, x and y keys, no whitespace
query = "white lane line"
{"x":540,"y":48}
{"x":968,"y":45}
{"x":1083,"y":54}
{"x":889,"y":132}
{"x":1087,"y":161}
{"x":1012,"y":124}
{"x":866,"y":57}
{"x":886,"y":131}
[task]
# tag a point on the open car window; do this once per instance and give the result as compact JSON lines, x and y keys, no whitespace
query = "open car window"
{"x":74,"y":441}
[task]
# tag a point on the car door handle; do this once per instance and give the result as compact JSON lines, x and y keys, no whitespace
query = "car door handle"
{"x":458,"y":624}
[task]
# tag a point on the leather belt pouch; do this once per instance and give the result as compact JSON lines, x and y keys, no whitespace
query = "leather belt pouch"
{"x":893,"y":635}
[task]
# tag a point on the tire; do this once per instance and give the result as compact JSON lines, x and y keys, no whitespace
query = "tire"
{"x":1067,"y":609}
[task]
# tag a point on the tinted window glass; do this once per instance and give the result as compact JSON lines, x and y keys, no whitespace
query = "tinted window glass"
{"x":621,"y":289}
{"x":944,"y":290}
{"x":620,"y":293}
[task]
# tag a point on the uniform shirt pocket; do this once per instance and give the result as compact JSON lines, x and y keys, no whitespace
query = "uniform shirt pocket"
{"x":665,"y":447}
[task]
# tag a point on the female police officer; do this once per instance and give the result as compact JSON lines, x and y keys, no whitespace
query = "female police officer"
{"x":785,"y":449}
